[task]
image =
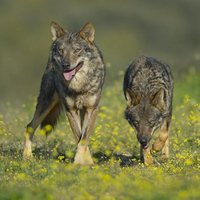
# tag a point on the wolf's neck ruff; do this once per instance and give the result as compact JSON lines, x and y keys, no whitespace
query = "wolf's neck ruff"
{"x":70,"y":73}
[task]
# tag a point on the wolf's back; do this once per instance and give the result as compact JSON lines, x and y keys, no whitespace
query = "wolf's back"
{"x":146,"y":75}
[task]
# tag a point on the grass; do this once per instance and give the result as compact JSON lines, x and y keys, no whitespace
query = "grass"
{"x":118,"y":173}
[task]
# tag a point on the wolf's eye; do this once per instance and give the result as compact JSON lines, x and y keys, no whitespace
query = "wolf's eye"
{"x":153,"y":122}
{"x":77,"y":50}
{"x":136,"y":123}
{"x":60,"y":51}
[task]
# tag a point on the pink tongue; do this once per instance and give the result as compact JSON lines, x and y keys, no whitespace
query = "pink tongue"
{"x":68,"y":75}
{"x":145,"y":147}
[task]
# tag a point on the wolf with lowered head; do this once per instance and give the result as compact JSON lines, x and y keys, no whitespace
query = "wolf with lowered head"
{"x":148,"y":89}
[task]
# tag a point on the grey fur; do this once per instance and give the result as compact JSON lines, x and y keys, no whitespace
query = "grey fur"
{"x":148,"y":89}
{"x":73,"y":80}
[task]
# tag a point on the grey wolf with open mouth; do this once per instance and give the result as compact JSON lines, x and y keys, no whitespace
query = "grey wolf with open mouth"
{"x":73,"y":82}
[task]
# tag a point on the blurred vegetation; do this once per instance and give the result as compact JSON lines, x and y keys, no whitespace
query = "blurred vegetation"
{"x":167,"y":30}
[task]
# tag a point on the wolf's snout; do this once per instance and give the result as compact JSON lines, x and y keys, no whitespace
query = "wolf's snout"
{"x":65,"y":64}
{"x":144,"y":142}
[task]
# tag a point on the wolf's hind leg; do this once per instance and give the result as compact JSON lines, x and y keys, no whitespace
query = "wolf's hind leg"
{"x":27,"y":150}
{"x":83,"y":155}
{"x":40,"y":114}
{"x":51,"y":119}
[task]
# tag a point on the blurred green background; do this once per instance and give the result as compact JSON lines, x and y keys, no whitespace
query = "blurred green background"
{"x":167,"y":30}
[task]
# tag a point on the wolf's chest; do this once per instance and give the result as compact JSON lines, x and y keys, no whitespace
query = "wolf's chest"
{"x":86,"y":81}
{"x":79,"y":82}
{"x":81,"y":101}
{"x":75,"y":102}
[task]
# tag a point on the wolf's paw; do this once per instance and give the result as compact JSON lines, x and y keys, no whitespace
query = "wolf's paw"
{"x":27,"y":154}
{"x":148,"y":160}
{"x":156,"y":147}
{"x":147,"y":157}
{"x":83,"y":156}
{"x":164,"y":158}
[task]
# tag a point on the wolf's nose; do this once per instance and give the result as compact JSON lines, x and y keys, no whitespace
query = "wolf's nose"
{"x":66,"y":64}
{"x":143,"y":142}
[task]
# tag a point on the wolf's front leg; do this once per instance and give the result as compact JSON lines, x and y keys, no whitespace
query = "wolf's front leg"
{"x":75,"y":123}
{"x":162,"y":142}
{"x":83,"y":156}
{"x":165,"y":150}
{"x":145,"y":156}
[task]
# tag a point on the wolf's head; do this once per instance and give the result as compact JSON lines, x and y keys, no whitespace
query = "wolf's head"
{"x":70,"y":51}
{"x":144,"y":114}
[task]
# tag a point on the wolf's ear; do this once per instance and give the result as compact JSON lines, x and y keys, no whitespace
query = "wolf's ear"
{"x":56,"y":30}
{"x":157,"y":99}
{"x":88,"y":32}
{"x":128,"y":98}
{"x":132,"y":98}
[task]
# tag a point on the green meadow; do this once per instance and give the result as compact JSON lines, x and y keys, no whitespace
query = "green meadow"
{"x":117,"y":173}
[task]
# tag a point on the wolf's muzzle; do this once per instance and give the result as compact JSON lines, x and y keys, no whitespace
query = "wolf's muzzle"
{"x":65,"y":64}
{"x":144,"y":142}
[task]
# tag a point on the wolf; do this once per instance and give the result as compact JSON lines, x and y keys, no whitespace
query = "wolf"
{"x":72,"y":81}
{"x":148,"y":90}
